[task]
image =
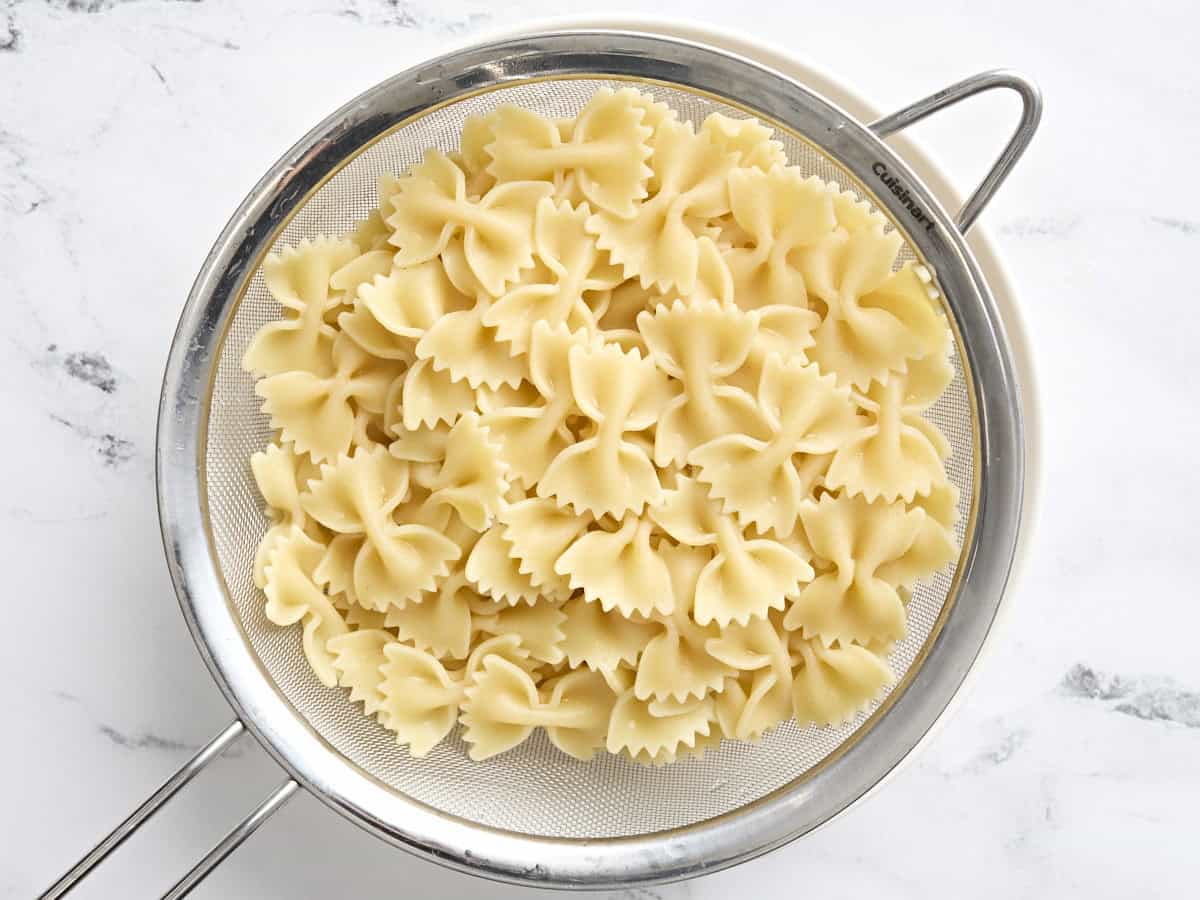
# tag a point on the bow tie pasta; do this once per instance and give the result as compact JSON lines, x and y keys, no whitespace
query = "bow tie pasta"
{"x":610,"y":426}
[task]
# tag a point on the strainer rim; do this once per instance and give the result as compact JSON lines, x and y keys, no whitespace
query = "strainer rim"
{"x":714,"y":843}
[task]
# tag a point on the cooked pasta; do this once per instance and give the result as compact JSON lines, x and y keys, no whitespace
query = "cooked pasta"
{"x":609,"y":426}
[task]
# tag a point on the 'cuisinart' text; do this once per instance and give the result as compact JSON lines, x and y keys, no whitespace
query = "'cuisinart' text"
{"x":896,"y":187}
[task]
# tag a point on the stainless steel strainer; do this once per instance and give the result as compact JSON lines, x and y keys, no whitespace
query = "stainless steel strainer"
{"x":535,"y":815}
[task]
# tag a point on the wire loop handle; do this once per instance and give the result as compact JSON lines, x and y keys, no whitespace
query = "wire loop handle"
{"x":157,"y":800}
{"x":1031,"y":114}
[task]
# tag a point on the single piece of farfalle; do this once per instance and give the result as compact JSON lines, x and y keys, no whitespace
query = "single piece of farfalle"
{"x":473,"y":478}
{"x":745,"y":578}
{"x":606,"y":473}
{"x":394,"y":562}
{"x":420,"y":698}
{"x":358,"y":659}
{"x":761,"y":696}
{"x":539,"y":532}
{"x":784,"y":214}
{"x":676,"y":664}
{"x":502,"y":707}
{"x":834,"y":684}
{"x":601,"y":640}
{"x":293,"y":596}
{"x":634,"y":728}
{"x":748,"y":139}
{"x":532,"y":435}
{"x":577,"y":270}
{"x":298,"y":279}
{"x":538,"y":627}
{"x":876,"y":320}
{"x":393,"y":311}
{"x":438,"y":622}
{"x":316,"y":412}
{"x":658,"y":244}
{"x":700,"y":343}
{"x":854,"y":602}
{"x":619,"y":570}
{"x":758,"y":480}
{"x":895,"y":453}
{"x":606,"y":151}
{"x":431,"y":205}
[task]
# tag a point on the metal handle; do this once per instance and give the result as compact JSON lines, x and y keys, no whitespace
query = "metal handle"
{"x":232,"y":840}
{"x":157,"y":800}
{"x":1031,"y":114}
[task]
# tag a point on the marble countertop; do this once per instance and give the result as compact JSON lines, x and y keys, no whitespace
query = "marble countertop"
{"x":129,"y":131}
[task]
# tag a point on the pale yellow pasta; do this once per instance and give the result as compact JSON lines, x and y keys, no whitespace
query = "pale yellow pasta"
{"x":540,"y":532}
{"x":534,"y":435}
{"x":606,"y":474}
{"x":358,"y":660}
{"x":744,"y":578}
{"x":439,"y":622}
{"x":636,"y":729}
{"x":293,"y":596}
{"x":783,"y":215}
{"x":896,"y":454}
{"x":393,"y":563}
{"x":783,"y":331}
{"x":420,"y":698}
{"x":698,"y":344}
{"x":853,"y":603}
{"x":657,"y":244}
{"x":610,"y":426}
{"x":677,"y":664}
{"x":577,"y":270}
{"x":602,"y":640}
{"x":607,"y":149}
{"x":619,"y":570}
{"x":876,"y":319}
{"x":748,"y":139}
{"x":298,"y":279}
{"x":805,"y":412}
{"x":539,"y":627}
{"x":317,"y":413}
{"x":834,"y":684}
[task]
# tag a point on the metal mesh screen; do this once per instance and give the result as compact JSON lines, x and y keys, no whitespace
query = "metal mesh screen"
{"x":534,"y":789}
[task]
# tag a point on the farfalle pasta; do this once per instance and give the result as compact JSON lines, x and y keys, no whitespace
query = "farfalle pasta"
{"x":610,"y":426}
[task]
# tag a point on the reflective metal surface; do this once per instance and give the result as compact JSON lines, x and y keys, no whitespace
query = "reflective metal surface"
{"x":712,"y":844}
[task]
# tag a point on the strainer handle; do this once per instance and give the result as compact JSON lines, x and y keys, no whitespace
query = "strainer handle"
{"x":1031,"y":114}
{"x":157,"y":800}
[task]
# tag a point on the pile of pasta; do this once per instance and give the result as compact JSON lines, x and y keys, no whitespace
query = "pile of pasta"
{"x":609,"y":426}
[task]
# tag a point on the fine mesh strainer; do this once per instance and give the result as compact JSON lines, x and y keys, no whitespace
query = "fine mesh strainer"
{"x":535,"y":815}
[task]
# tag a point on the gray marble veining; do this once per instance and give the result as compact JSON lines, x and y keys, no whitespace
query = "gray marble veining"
{"x":129,"y":131}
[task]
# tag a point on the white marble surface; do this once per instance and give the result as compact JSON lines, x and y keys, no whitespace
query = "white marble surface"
{"x":129,"y":131}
